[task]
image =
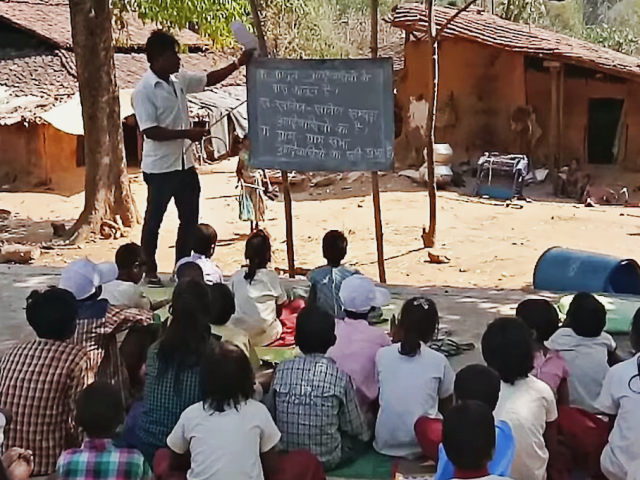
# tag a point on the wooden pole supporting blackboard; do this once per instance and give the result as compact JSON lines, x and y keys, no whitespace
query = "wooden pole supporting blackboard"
{"x":288,"y":215}
{"x":375,"y":186}
{"x":257,"y":23}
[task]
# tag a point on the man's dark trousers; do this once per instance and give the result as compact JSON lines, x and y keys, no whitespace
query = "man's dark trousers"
{"x":183,"y":186}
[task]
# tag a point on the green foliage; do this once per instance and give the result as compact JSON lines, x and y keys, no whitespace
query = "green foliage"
{"x":524,"y":11}
{"x":620,"y":39}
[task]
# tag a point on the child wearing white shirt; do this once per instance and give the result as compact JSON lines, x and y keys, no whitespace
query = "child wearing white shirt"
{"x":527,"y":404}
{"x":205,"y":239}
{"x":415,"y":381}
{"x":469,"y":438}
{"x":620,"y":398}
{"x":587,"y":349}
{"x":258,"y":293}
{"x":229,"y":435}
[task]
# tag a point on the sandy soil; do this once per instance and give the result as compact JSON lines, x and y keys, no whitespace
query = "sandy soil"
{"x":489,"y":244}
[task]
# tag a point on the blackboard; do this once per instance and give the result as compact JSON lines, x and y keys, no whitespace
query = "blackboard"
{"x":321,"y":115}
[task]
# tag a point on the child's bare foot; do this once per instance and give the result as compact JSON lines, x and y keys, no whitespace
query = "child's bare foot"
{"x":19,"y":463}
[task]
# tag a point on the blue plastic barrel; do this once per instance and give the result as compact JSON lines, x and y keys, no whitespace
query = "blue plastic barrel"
{"x":561,"y":269}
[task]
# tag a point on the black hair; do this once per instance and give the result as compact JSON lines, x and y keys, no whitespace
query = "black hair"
{"x":478,"y":383}
{"x":100,"y":410}
{"x":223,"y":305}
{"x":128,"y":255}
{"x":205,"y":238}
{"x":159,"y":43}
{"x":635,"y":344}
{"x":334,"y":247}
{"x":52,"y":313}
{"x":507,"y":347}
{"x":226,"y":377}
{"x":540,"y":316}
{"x":257,"y":252}
{"x":586,"y":316}
{"x":134,"y":349}
{"x":469,"y":435}
{"x":315,"y":330}
{"x":358,"y":315}
{"x":189,"y":271}
{"x":417,"y":324}
{"x":187,"y":336}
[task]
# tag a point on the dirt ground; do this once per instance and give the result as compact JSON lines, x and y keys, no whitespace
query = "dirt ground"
{"x":489,"y":244}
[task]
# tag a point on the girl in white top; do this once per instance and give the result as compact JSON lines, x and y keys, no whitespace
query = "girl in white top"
{"x":527,"y":404}
{"x":620,"y":398}
{"x":415,"y":381}
{"x":258,"y":293}
{"x":228,"y":435}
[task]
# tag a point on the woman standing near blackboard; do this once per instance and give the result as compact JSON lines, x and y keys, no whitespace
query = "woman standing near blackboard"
{"x":253,"y":190}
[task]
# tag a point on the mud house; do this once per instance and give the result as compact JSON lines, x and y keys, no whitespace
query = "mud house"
{"x":38,"y":73}
{"x":515,"y":88}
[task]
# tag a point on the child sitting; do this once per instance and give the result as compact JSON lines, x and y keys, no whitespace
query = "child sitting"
{"x":259,"y":296}
{"x":41,"y":378}
{"x":526,"y":403}
{"x":204,"y":245}
{"x":222,"y":308}
{"x":479,"y":383}
{"x":357,"y":342}
{"x":315,"y":405}
{"x":99,"y":414}
{"x":326,"y":281}
{"x":125,"y":290}
{"x":586,"y":348}
{"x":230,"y":436}
{"x":468,"y":438}
{"x":415,"y":381}
{"x":189,"y":271}
{"x":620,"y":399}
{"x":548,"y":365}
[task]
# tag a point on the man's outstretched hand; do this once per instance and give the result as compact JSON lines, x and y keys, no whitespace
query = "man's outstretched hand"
{"x":245,"y":57}
{"x":196,"y":134}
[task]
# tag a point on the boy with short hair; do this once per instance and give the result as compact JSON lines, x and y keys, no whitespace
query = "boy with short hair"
{"x":469,"y":438}
{"x":587,"y":349}
{"x":204,"y":246}
{"x":478,"y":383}
{"x":357,"y":342}
{"x":40,"y":380}
{"x":99,"y":413}
{"x":326,"y":281}
{"x":314,"y":401}
{"x":189,"y":271}
{"x":125,"y":290}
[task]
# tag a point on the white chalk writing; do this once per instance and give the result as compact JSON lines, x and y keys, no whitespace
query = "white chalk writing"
{"x":264,"y":131}
{"x":315,"y":139}
{"x":284,"y":136}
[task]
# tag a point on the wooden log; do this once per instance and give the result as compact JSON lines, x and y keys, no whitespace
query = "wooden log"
{"x":21,"y":254}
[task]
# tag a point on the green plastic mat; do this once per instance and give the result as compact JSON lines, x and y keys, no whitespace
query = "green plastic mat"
{"x":371,"y":465}
{"x":620,"y":311}
{"x":277,"y":354}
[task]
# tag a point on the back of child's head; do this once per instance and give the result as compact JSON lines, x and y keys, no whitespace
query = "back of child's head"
{"x":417,"y":324}
{"x":257,"y":252}
{"x":507,"y":347}
{"x":52,"y":313}
{"x":469,"y":435}
{"x":478,"y":383}
{"x":188,"y":333}
{"x":586,"y":316}
{"x":315,"y":330}
{"x":223,"y":305}
{"x":334,"y":247}
{"x":227,"y":377}
{"x":189,"y":271}
{"x":540,"y":316}
{"x":100,"y":410}
{"x":128,"y":256}
{"x":205,"y":238}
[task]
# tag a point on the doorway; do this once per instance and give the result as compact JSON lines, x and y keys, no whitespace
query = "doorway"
{"x":605,"y":115}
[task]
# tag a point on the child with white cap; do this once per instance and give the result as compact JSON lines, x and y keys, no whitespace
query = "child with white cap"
{"x":99,"y":322}
{"x":357,"y":342}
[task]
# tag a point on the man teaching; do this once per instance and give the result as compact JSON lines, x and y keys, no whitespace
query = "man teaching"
{"x":160,"y":105}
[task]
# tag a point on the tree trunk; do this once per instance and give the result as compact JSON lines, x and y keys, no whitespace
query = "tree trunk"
{"x":432,"y":100}
{"x":107,"y":190}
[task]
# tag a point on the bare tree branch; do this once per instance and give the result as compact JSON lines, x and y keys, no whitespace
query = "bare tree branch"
{"x":453,"y":17}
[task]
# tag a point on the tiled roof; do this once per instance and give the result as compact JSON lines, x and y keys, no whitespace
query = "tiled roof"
{"x":478,"y":26}
{"x":50,"y":20}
